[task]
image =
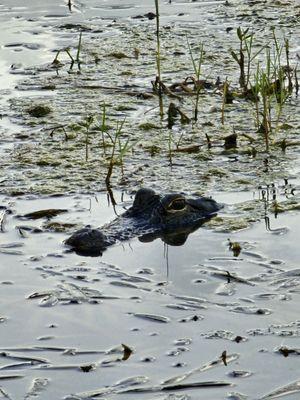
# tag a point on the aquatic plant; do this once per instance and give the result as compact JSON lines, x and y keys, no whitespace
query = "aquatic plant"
{"x":86,"y":123}
{"x":173,"y":112}
{"x":271,"y":89}
{"x":158,"y":61}
{"x":125,"y":88}
{"x":225,"y":91}
{"x":170,"y":154}
{"x":268,"y":84}
{"x":282,"y":73}
{"x":245,"y":56}
{"x":39,"y":110}
{"x":118,"y":150}
{"x":197,"y":65}
{"x":103,"y":127}
{"x":58,"y":128}
{"x":75,"y":60}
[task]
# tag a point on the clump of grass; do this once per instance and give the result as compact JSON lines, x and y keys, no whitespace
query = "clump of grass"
{"x":112,"y":141}
{"x":118,"y":150}
{"x":245,"y":57}
{"x":269,"y":84}
{"x":39,"y":110}
{"x":271,"y":88}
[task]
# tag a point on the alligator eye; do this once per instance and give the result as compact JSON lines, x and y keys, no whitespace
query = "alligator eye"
{"x":177,"y":204}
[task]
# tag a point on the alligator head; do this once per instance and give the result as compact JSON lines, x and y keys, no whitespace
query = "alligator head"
{"x":171,"y":217}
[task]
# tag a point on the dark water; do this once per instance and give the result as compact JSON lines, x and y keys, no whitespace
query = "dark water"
{"x":94,"y":304}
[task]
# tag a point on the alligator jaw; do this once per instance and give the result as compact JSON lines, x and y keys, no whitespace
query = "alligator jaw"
{"x":204,"y":205}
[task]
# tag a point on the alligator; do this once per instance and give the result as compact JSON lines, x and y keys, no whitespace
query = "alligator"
{"x":171,"y":217}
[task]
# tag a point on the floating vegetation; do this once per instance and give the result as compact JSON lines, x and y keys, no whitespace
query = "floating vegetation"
{"x":231,"y":277}
{"x":37,"y":387}
{"x":58,"y":226}
{"x":235,"y":247}
{"x":153,"y":317}
{"x":68,"y":293}
{"x":3,"y":214}
{"x":179,"y":386}
{"x":79,"y":121}
{"x":39,"y":111}
{"x":127,"y":352}
{"x":283,"y":391}
{"x":49,"y":213}
{"x":175,"y":380}
{"x":10,"y":377}
{"x":148,"y":126}
{"x":286,"y":351}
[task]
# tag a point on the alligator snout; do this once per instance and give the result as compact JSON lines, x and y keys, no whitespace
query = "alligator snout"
{"x":88,"y":241}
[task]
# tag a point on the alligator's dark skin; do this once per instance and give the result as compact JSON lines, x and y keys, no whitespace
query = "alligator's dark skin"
{"x":171,"y":217}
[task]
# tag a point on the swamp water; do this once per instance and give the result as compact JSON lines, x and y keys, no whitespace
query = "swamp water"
{"x":144,"y":317}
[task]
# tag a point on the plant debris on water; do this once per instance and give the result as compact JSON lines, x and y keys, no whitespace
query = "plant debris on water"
{"x":78,"y":151}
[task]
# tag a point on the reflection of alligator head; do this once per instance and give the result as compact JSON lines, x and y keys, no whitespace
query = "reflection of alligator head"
{"x":171,"y":217}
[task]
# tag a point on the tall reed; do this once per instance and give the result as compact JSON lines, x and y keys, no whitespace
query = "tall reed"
{"x":197,"y":66}
{"x":158,"y":60}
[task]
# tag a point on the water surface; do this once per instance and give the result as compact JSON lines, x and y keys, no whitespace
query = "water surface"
{"x":64,"y":318}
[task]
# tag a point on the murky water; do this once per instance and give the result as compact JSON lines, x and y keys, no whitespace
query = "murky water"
{"x":145,"y":316}
{"x":54,"y":301}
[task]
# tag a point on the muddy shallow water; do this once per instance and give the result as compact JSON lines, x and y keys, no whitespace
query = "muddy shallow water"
{"x":143,"y":316}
